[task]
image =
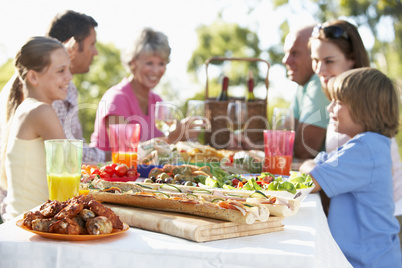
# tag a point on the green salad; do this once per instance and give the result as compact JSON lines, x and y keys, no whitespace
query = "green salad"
{"x":266,"y":181}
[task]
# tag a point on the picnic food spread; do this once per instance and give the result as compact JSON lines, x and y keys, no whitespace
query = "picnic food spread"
{"x":204,"y":190}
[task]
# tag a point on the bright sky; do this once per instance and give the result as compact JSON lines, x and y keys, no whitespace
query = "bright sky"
{"x":120,"y":20}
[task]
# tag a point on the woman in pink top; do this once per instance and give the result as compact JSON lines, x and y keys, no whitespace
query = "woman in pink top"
{"x":131,"y":101}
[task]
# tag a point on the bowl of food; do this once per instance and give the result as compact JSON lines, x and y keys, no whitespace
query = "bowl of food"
{"x":296,"y":186}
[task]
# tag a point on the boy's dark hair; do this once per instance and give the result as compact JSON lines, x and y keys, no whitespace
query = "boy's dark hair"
{"x":371,"y":98}
{"x":71,"y":24}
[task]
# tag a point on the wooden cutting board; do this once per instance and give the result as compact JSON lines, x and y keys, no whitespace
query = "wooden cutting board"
{"x":191,"y":227}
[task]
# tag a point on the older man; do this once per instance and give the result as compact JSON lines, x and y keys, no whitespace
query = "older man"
{"x":309,"y":104}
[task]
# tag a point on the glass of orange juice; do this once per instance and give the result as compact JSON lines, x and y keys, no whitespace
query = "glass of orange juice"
{"x":278,"y":148}
{"x":63,"y":168}
{"x":124,"y":139}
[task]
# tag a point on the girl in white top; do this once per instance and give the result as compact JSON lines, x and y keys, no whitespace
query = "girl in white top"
{"x":336,"y":47}
{"x":43,"y":76}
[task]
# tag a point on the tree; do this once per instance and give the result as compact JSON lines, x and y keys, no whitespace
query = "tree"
{"x":225,"y":40}
{"x":371,"y":14}
{"x":385,"y":53}
{"x":6,"y":72}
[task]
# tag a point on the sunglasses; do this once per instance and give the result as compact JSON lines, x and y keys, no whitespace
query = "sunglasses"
{"x":332,"y":32}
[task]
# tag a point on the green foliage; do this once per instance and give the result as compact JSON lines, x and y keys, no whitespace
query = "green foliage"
{"x":6,"y":72}
{"x":106,"y":71}
{"x":226,"y":40}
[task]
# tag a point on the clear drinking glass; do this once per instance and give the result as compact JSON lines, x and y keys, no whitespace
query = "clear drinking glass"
{"x":198,"y":124}
{"x":165,"y":117}
{"x":124,"y":139}
{"x":63,"y":168}
{"x":237,"y":118}
{"x":283,"y":119}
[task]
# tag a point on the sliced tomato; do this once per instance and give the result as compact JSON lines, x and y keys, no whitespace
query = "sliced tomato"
{"x":224,"y":204}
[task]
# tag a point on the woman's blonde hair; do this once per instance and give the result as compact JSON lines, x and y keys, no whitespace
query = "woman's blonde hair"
{"x":371,"y":97}
{"x":149,"y":42}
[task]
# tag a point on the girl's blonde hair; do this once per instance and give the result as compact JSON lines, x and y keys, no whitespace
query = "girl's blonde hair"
{"x":33,"y":55}
{"x":371,"y":97}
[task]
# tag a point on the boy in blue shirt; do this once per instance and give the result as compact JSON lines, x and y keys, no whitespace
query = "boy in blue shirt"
{"x":358,"y":176}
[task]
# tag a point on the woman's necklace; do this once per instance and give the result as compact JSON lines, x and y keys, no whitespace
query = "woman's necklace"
{"x":140,"y":98}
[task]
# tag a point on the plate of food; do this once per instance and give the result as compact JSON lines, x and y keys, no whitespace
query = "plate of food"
{"x":80,"y":218}
{"x":296,"y":186}
{"x":108,"y":172}
{"x":67,"y":237}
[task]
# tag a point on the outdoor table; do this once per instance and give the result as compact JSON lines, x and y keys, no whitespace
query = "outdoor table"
{"x":305,"y":242}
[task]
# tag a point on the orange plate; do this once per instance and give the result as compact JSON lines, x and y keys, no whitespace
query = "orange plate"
{"x":72,"y":237}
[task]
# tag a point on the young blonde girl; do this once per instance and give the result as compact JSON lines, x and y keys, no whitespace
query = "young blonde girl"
{"x":43,"y":76}
{"x":358,"y":176}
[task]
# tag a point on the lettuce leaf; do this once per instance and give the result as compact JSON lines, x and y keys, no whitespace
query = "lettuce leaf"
{"x":251,"y":185}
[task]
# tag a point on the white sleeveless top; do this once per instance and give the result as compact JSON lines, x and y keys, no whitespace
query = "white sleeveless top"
{"x":25,"y":166}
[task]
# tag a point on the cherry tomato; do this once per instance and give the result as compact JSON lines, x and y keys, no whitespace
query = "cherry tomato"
{"x":108,"y":169}
{"x":235,"y":182}
{"x":267,"y":179}
{"x":121,"y":170}
{"x":104,"y":174}
{"x":95,"y":171}
{"x":113,"y":165}
{"x":131,"y":173}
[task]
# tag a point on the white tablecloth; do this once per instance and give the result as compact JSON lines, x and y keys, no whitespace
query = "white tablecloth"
{"x":305,"y":242}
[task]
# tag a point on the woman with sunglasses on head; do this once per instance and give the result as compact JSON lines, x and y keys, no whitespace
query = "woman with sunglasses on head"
{"x":336,"y":47}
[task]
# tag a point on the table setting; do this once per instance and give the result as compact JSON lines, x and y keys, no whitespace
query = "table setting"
{"x":174,"y":204}
{"x":300,"y":239}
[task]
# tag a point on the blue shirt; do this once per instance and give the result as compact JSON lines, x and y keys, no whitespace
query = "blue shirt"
{"x":358,"y":179}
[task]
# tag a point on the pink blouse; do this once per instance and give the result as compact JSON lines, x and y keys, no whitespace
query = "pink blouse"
{"x":120,"y":100}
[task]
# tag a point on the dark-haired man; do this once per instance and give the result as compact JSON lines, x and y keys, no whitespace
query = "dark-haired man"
{"x":77,"y":32}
